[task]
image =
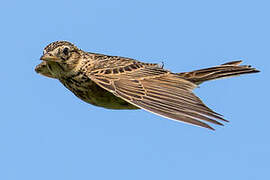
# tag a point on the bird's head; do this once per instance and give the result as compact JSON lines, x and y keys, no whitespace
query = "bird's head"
{"x":60,"y":52}
{"x":61,"y":57}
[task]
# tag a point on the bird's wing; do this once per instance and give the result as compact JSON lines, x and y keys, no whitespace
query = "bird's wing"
{"x":150,"y":87}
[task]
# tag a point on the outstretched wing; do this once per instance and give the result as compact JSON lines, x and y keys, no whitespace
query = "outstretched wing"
{"x":150,"y":87}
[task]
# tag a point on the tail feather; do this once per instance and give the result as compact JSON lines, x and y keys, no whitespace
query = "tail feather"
{"x":222,"y":71}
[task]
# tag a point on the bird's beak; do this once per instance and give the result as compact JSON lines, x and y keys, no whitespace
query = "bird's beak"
{"x":49,"y":57}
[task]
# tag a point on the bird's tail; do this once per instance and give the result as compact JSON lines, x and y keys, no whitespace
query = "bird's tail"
{"x":222,"y":71}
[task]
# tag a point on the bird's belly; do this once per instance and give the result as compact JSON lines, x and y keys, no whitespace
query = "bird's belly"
{"x":90,"y":92}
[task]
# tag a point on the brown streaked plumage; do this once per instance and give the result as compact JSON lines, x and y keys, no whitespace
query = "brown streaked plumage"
{"x":122,"y":83}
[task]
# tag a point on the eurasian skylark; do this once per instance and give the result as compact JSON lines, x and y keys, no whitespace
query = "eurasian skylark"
{"x":115,"y":82}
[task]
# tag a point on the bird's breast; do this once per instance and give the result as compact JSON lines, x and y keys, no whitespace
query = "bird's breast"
{"x":88,"y":91}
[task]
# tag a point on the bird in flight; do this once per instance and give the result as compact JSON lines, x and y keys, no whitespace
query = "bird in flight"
{"x":116,"y":82}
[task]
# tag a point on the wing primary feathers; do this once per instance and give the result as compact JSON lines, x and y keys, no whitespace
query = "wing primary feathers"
{"x":188,"y":102}
{"x":177,"y":103}
{"x":160,"y":111}
{"x":176,"y":109}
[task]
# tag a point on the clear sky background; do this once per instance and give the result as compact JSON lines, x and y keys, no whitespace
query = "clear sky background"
{"x":46,"y":133}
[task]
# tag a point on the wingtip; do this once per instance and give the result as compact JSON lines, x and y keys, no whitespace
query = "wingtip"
{"x":212,"y":129}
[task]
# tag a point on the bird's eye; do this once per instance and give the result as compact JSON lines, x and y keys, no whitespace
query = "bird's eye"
{"x":65,"y":51}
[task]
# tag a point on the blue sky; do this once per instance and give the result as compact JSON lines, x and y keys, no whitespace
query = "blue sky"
{"x":48,"y":133}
